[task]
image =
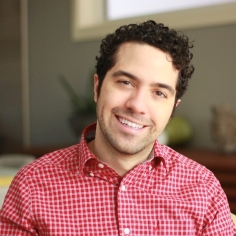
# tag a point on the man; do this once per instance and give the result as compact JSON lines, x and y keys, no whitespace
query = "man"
{"x":119,"y":180}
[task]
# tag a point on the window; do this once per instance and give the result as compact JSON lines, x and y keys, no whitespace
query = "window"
{"x":120,"y":9}
{"x":89,"y":21}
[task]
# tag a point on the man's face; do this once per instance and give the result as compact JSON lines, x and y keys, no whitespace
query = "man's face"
{"x":136,"y":98}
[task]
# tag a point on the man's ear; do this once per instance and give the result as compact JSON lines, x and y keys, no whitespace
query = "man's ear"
{"x":95,"y":87}
{"x":177,"y":103}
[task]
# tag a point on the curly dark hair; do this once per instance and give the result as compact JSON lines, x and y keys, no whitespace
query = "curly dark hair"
{"x":168,"y":40}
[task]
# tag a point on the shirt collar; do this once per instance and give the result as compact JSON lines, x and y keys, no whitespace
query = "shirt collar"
{"x":84,"y":154}
{"x":158,"y":155}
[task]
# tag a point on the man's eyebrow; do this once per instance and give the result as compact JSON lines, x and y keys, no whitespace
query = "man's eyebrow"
{"x":124,"y":73}
{"x":131,"y":76}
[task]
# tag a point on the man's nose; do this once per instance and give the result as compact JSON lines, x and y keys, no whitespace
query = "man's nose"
{"x":138,"y":102}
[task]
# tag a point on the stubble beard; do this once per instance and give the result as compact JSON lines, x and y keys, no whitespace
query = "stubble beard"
{"x":126,"y":147}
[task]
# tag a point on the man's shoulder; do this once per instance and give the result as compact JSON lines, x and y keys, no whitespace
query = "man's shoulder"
{"x":60,"y":158}
{"x":185,"y":165}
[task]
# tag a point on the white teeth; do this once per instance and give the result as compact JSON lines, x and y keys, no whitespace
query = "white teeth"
{"x":130,"y":124}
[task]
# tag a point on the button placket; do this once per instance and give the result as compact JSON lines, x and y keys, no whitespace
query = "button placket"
{"x":121,"y":198}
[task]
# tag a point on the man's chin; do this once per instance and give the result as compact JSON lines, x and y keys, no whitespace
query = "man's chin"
{"x":129,"y":149}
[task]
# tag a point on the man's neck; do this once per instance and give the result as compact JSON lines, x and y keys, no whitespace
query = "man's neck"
{"x":121,"y":163}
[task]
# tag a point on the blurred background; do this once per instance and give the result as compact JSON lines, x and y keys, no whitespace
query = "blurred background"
{"x":37,"y":46}
{"x":47,"y":59}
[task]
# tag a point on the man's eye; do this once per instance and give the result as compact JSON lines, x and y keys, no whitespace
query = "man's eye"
{"x":160,"y":94}
{"x":125,"y":82}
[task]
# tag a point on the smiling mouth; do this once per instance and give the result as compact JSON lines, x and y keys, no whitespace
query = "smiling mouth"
{"x":130,"y":124}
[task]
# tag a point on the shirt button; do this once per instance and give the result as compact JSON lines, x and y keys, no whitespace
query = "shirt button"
{"x":126,"y":230}
{"x":123,"y":188}
{"x":91,"y":174}
{"x":100,"y":165}
{"x":150,"y":168}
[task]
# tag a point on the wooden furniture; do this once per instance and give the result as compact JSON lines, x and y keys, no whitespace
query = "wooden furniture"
{"x":222,"y":165}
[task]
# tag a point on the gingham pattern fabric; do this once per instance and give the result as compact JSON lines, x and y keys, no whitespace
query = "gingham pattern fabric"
{"x":70,"y":192}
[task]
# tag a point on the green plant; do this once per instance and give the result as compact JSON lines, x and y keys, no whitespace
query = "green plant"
{"x":81,"y":104}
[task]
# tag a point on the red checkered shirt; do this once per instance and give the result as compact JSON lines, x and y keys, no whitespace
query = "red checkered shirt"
{"x":71,"y":192}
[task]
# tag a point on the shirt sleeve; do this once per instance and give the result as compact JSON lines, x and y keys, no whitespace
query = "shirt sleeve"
{"x":15,"y":215}
{"x":218,"y":220}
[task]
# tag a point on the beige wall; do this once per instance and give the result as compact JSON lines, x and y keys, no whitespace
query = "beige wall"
{"x":51,"y":52}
